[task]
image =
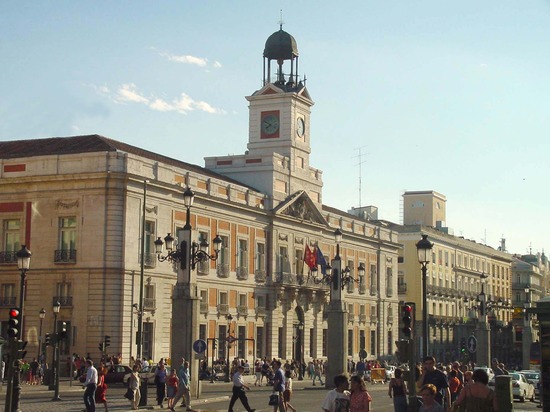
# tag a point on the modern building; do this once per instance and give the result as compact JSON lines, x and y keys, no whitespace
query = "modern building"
{"x":83,"y":205}
{"x":459,"y":271}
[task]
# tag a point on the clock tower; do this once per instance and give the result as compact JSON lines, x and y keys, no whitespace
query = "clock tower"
{"x":277,"y":159}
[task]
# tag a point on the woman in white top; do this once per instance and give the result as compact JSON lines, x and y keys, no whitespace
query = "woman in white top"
{"x":288,"y":392}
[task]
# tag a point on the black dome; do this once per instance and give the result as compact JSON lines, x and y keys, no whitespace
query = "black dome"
{"x":280,"y":46}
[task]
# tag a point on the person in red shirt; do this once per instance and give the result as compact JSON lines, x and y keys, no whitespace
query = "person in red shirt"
{"x":455,"y":386}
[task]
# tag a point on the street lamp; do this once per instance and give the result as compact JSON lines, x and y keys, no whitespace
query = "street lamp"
{"x":41,"y":315}
{"x":483,"y":329}
{"x":185,"y":299}
{"x":424,"y":250}
{"x":527,"y":337}
{"x":301,"y":350}
{"x":228,"y":343}
{"x":23,"y":263}
{"x":55,"y":384}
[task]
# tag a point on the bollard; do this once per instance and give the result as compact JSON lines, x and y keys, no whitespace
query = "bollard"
{"x":503,"y":392}
{"x":143,"y":391}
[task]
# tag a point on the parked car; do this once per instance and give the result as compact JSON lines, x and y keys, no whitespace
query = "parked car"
{"x":115,"y":374}
{"x":147,"y":373}
{"x":521,"y":388}
{"x":533,"y":377}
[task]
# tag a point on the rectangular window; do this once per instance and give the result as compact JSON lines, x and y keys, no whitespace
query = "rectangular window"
{"x":325,"y":340}
{"x":283,"y":263}
{"x":222,"y":344}
{"x":67,"y":240}
{"x":242,"y":257}
{"x":64,"y":294}
{"x":259,"y":342}
{"x":242,"y":299}
{"x":223,"y":298}
{"x":241,"y":352}
{"x":260,"y":258}
{"x":223,"y":258}
{"x":299,"y":259}
{"x":149,"y":301}
{"x":280,"y":343}
{"x":373,"y":345}
{"x":202,"y":332}
{"x":11,"y":242}
{"x":148,"y":340}
{"x":350,"y":342}
{"x":312,"y":351}
{"x":7,"y":294}
{"x":362,"y":339}
{"x":373,"y":279}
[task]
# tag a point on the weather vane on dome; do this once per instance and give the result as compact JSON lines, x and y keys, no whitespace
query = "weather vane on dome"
{"x":281,"y":22}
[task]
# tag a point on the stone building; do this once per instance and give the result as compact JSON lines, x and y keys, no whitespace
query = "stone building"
{"x":83,"y":205}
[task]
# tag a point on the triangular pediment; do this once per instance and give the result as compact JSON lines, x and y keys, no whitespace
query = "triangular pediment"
{"x":300,"y":206}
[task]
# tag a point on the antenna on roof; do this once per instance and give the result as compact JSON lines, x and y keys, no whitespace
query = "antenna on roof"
{"x":281,"y":22}
{"x":360,"y":174}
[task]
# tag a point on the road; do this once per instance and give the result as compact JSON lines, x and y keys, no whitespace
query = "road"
{"x":215,"y":397}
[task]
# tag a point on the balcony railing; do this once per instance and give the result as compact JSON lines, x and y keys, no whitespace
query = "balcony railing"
{"x":65,"y":256}
{"x":373,"y":290}
{"x":363,"y":318}
{"x":242,"y":273}
{"x":351,"y":287}
{"x":222,"y":270}
{"x":204,"y":307}
{"x":223,"y":308}
{"x":351,"y":318}
{"x":362,"y":288}
{"x":203,"y":268}
{"x":402,"y":288}
{"x":7,"y":301}
{"x":242,"y":310}
{"x":149,"y":304}
{"x":374,"y":318}
{"x":389,"y":292}
{"x":260,"y":311}
{"x":259,"y":276}
{"x":149,"y":260}
{"x":8,"y":257}
{"x":64,"y":300}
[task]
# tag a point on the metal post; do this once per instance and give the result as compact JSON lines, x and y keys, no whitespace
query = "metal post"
{"x":22,"y":302}
{"x":57,"y":364}
{"x":141,"y":276}
{"x":51,"y":387}
{"x":425,"y":329}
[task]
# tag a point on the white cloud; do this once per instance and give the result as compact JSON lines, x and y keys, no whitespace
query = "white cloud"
{"x":129,"y":93}
{"x":187,"y":59}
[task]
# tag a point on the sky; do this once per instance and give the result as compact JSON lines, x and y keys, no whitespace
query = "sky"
{"x":451,"y":96}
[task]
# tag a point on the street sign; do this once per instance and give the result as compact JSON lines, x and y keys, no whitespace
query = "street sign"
{"x":472,"y":344}
{"x":363,"y":354}
{"x":199,"y":346}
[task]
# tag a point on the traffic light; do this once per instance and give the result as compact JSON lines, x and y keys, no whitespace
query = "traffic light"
{"x":402,"y":350}
{"x":63,"y":330}
{"x":21,"y":352}
{"x":47,"y":339}
{"x":407,"y":315}
{"x":107,"y":341}
{"x":214,"y":344}
{"x":462,"y":345}
{"x":101,"y":347}
{"x":13,"y":323}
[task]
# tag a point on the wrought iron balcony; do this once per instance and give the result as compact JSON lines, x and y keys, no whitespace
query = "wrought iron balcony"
{"x":149,"y":304}
{"x":222,"y":270}
{"x":362,"y":288}
{"x":373,"y":291}
{"x":8,"y":257}
{"x":149,"y":260}
{"x":401,"y":288}
{"x":203,"y":267}
{"x":223,"y":308}
{"x":7,"y":301}
{"x":260,"y":311}
{"x":260,"y":276}
{"x":363,"y":318}
{"x":351,"y":318}
{"x":204,"y":307}
{"x":374,"y":318}
{"x":64,"y":300}
{"x":242,"y":273}
{"x":242,"y":310}
{"x":65,"y":256}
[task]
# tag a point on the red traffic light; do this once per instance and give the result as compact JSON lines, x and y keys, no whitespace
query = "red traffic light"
{"x":407,"y":308}
{"x":14,"y":313}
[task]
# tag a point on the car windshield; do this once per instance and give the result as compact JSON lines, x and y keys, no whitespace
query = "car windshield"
{"x":515,"y":376}
{"x":531,"y":375}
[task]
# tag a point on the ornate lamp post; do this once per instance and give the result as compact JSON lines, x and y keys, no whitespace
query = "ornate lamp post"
{"x":55,"y":383}
{"x":185,"y":299}
{"x":527,"y":337}
{"x":424,"y":249}
{"x":41,"y":315}
{"x":23,"y":263}
{"x":301,"y":349}
{"x":483,"y":330}
{"x":228,"y":346}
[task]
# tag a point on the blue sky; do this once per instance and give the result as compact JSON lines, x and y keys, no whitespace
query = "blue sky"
{"x":435,"y":95}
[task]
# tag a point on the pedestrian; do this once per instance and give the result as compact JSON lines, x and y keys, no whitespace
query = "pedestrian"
{"x":278,"y":385}
{"x":435,"y":377}
{"x":455,"y":386}
{"x":258,"y":373}
{"x":90,"y":385}
{"x":429,"y":404}
{"x":497,"y":370}
{"x":239,"y":388}
{"x":398,"y":391}
{"x":360,"y":399}
{"x":317,"y":371}
{"x":160,"y":382}
{"x":101,"y":390}
{"x":337,"y":400}
{"x":183,"y":385}
{"x":171,"y":388}
{"x":287,"y":394}
{"x":468,"y":380}
{"x":477,"y":396}
{"x":133,"y":384}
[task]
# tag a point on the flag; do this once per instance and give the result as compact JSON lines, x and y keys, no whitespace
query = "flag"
{"x":309,"y":258}
{"x":321,"y":261}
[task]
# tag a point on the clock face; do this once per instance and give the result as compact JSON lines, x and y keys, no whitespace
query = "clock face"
{"x":300,"y":126}
{"x":270,"y":124}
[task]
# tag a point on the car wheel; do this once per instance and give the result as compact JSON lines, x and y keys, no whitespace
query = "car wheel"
{"x":522,"y":397}
{"x":533,"y":397}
